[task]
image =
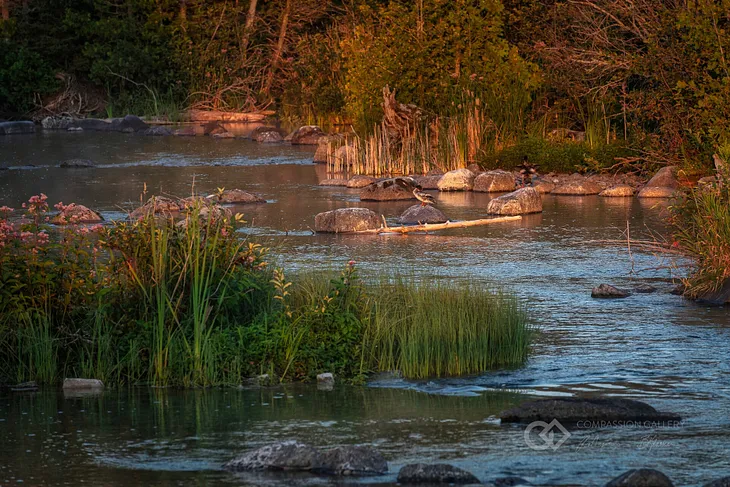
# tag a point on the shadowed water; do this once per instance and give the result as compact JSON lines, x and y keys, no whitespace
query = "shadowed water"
{"x":656,"y":347}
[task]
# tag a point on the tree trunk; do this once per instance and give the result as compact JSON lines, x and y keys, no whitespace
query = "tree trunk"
{"x":5,"y":8}
{"x":276,"y":56}
{"x":183,"y":15}
{"x":247,"y":30}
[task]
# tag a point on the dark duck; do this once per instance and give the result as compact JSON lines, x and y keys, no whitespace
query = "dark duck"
{"x":527,"y":171}
{"x":410,"y":184}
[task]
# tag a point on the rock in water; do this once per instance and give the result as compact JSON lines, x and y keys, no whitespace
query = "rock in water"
{"x":544,"y":187}
{"x":440,"y":473}
{"x":74,"y":213}
{"x":608,"y":291}
{"x":457,"y":180}
{"x":657,"y":192}
{"x":10,"y":128}
{"x":346,"y":220}
{"x":361,"y":181}
{"x":494,"y":182}
{"x":158,"y":131}
{"x":644,"y":289}
{"x":578,"y":187}
{"x":306,"y":135}
{"x":333,"y":182}
{"x":385,"y":190}
{"x":156,"y":205}
{"x":77,"y":163}
{"x":429,"y":181}
{"x":520,"y":202}
{"x":237,"y":197}
{"x":326,"y":379}
{"x":266,"y":135}
{"x":642,"y":477}
{"x":422,"y":214}
{"x":353,"y":460}
{"x":133,"y":123}
{"x":288,"y":455}
{"x":665,"y":177}
{"x":620,"y":191}
{"x":571,"y":410}
{"x":82,"y":384}
{"x":57,"y":122}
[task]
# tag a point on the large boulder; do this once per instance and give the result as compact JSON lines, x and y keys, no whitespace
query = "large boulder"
{"x":77,"y":163}
{"x":544,"y":187}
{"x":571,"y":410}
{"x":266,"y":135}
{"x":288,"y":455}
{"x":665,"y":177}
{"x":73,"y":213}
{"x":494,"y":182}
{"x":422,"y":214}
{"x":440,"y":473}
{"x":429,"y":181}
{"x":10,"y":128}
{"x":520,"y":202}
{"x":133,"y":123}
{"x":353,"y":460}
{"x":361,"y":181}
{"x":385,"y":190}
{"x":457,"y":180}
{"x":620,"y":191}
{"x":577,"y":187}
{"x":306,"y":135}
{"x":658,"y":192}
{"x":237,"y":197}
{"x":642,"y":477}
{"x":156,"y":205}
{"x":606,"y":291}
{"x":346,"y":220}
{"x":57,"y":122}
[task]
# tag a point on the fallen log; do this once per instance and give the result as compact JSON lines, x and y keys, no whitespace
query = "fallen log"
{"x":217,"y":116}
{"x":430,"y":227}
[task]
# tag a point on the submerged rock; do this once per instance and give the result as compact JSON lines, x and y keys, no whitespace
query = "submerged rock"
{"x":665,"y":177}
{"x":494,"y":182}
{"x":571,"y":410}
{"x":620,"y":191}
{"x":158,"y":131}
{"x":82,"y":384}
{"x":642,"y":477}
{"x":287,"y":455}
{"x":509,"y":482}
{"x":306,"y":135}
{"x":520,"y":202}
{"x":657,"y":192}
{"x":577,"y":187}
{"x":353,"y":460}
{"x":608,"y":291}
{"x":266,"y":135}
{"x":440,"y":473}
{"x":346,"y":220}
{"x":236,"y":197}
{"x":723,"y":482}
{"x":74,"y":213}
{"x":422,"y":214}
{"x":10,"y":128}
{"x":223,"y":135}
{"x":77,"y":163}
{"x":385,"y":190}
{"x":644,"y":289}
{"x":361,"y":181}
{"x":457,"y":180}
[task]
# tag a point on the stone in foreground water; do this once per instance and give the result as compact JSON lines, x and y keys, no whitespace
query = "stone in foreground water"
{"x":288,"y":455}
{"x":353,"y":460}
{"x":440,"y":473}
{"x":345,"y":220}
{"x":606,"y":291}
{"x":642,"y":477}
{"x":572,"y":410}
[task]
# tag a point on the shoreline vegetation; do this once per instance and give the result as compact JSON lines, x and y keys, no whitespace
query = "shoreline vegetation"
{"x":188,"y":301}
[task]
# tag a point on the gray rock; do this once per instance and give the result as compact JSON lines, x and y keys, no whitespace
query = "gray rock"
{"x":422,"y":214}
{"x":306,"y":135}
{"x":288,"y":455}
{"x":346,"y":220}
{"x":494,"y":182}
{"x":644,"y":289}
{"x":326,"y":379}
{"x":428,"y":182}
{"x":385,"y":190}
{"x":57,"y":122}
{"x":642,"y":477}
{"x":353,"y":460}
{"x":133,"y":123}
{"x":158,"y":131}
{"x":82,"y":384}
{"x":723,"y":482}
{"x":608,"y":291}
{"x":30,"y":386}
{"x":665,"y":177}
{"x":12,"y":128}
{"x":571,"y":410}
{"x":440,"y":473}
{"x":95,"y":124}
{"x":577,"y":187}
{"x":457,"y":180}
{"x":520,"y":202}
{"x":236,"y":197}
{"x":361,"y":181}
{"x":77,"y":163}
{"x":266,"y":135}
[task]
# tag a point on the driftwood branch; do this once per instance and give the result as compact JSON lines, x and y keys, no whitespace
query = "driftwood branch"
{"x":430,"y":227}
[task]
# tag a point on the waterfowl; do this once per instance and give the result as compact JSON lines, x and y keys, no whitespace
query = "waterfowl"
{"x":527,"y":170}
{"x":411,"y":185}
{"x":424,"y":198}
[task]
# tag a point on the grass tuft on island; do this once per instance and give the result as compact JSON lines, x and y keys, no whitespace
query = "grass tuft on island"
{"x":187,"y":301}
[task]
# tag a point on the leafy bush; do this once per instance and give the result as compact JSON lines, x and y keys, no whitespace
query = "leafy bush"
{"x":24,"y":76}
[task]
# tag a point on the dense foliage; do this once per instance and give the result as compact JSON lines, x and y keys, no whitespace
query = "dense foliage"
{"x":187,"y":301}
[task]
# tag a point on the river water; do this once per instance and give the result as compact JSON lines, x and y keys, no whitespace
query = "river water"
{"x":655,"y":347}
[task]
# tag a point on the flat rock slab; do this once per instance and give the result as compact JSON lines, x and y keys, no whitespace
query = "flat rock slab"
{"x":642,"y":477}
{"x":333,"y":182}
{"x":82,"y":384}
{"x":385,"y":190}
{"x":520,"y":202}
{"x":494,"y":182}
{"x":457,"y":180}
{"x":582,"y":187}
{"x":11,"y":128}
{"x":439,"y":473}
{"x":606,"y":291}
{"x":158,"y":131}
{"x":418,"y":214}
{"x":361,"y":181}
{"x":346,"y":220}
{"x":353,"y":460}
{"x":572,"y":410}
{"x":288,"y":455}
{"x":657,"y":192}
{"x":620,"y":191}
